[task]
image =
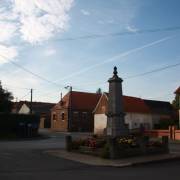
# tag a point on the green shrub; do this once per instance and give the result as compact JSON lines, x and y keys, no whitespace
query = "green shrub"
{"x":105,"y":151}
{"x":165,"y":123}
{"x":14,"y":123}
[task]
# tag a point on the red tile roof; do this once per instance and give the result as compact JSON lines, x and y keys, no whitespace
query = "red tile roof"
{"x":81,"y":100}
{"x":177,"y":90}
{"x":133,"y":104}
{"x":37,"y":107}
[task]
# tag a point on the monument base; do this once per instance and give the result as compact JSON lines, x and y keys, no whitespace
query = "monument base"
{"x":116,"y":132}
{"x":116,"y":126}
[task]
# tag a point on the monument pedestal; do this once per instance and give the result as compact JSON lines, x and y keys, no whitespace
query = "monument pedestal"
{"x":116,"y":126}
{"x":115,"y":116}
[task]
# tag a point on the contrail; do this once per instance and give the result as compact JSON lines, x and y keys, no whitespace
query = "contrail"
{"x":114,"y":58}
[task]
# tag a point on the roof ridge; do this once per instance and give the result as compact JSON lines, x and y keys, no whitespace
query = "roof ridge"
{"x":84,"y":92}
{"x":36,"y":102}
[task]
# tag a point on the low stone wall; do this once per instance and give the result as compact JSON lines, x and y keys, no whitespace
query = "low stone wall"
{"x":172,"y":133}
{"x":119,"y":147}
{"x":177,"y":134}
{"x":157,"y":133}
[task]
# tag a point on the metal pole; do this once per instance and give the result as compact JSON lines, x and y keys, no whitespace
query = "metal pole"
{"x":31,"y":101}
{"x":70,"y":109}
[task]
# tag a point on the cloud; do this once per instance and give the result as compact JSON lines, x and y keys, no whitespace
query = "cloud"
{"x":50,"y":52}
{"x":7,"y":31}
{"x":131,"y":29}
{"x":33,"y":20}
{"x":40,"y":19}
{"x":7,"y":53}
{"x":85,"y":12}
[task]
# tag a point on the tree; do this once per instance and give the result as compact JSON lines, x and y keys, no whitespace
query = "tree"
{"x":99,"y":91}
{"x":5,"y":100}
{"x":175,"y":102}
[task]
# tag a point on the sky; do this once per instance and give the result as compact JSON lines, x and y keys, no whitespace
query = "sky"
{"x":47,"y":45}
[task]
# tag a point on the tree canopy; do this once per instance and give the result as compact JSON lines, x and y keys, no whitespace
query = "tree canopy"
{"x":176,"y":102}
{"x":5,"y":100}
{"x":99,"y":91}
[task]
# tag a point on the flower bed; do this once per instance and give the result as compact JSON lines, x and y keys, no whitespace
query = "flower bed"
{"x":122,"y":146}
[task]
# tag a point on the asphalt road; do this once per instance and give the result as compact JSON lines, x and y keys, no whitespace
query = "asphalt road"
{"x":26,"y":160}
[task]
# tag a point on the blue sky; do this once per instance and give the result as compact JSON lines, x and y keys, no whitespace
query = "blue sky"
{"x":34,"y":34}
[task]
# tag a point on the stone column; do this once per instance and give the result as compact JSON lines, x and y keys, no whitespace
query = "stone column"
{"x":115,"y":116}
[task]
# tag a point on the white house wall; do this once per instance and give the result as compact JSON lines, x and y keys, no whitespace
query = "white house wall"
{"x":132,"y":119}
{"x":24,"y":109}
{"x":100,"y":122}
{"x":135,"y":120}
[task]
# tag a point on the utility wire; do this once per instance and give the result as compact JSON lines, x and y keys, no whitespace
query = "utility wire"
{"x":25,"y":95}
{"x":37,"y":75}
{"x":153,"y":71}
{"x":23,"y":88}
{"x":141,"y":74}
{"x":32,"y":73}
{"x":123,"y":33}
{"x":129,"y":77}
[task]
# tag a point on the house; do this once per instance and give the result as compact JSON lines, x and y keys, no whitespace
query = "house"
{"x":177,"y":92}
{"x":43,"y":109}
{"x":138,"y":112}
{"x":160,"y":110}
{"x":74,"y":112}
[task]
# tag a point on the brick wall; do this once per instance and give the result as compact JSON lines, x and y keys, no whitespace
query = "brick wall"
{"x":81,"y":120}
{"x":157,"y":133}
{"x":172,"y":133}
{"x":59,"y":119}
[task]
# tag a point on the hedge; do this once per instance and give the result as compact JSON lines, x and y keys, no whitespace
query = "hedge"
{"x":12,"y":123}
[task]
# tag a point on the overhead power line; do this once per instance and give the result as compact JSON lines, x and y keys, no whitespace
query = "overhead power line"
{"x":37,"y":75}
{"x":140,"y":74}
{"x":123,"y":33}
{"x":153,"y":71}
{"x":32,"y":73}
{"x":25,"y":95}
{"x":17,"y":87}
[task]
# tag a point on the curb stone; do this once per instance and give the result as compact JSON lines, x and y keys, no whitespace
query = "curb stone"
{"x":88,"y":160}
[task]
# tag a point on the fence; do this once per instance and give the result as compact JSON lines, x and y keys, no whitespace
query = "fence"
{"x":173,"y":133}
{"x":21,"y":125}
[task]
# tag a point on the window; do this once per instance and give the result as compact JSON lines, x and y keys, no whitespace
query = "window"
{"x":54,"y":117}
{"x":62,"y":116}
{"x":84,"y":116}
{"x":75,"y":115}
